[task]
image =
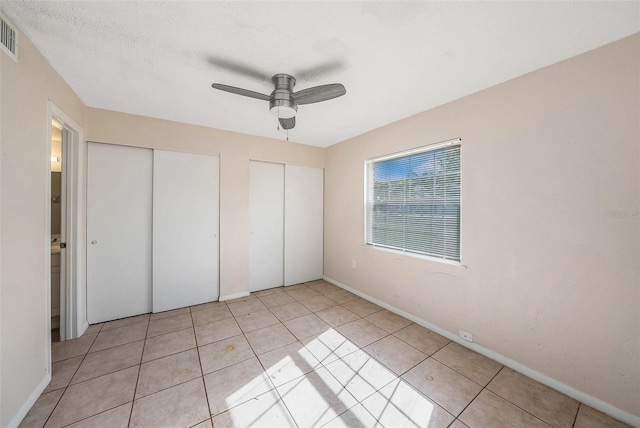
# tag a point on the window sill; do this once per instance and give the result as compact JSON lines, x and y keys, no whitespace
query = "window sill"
{"x":414,"y":255}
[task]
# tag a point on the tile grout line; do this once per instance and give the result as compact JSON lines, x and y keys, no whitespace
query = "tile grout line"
{"x":275,"y":388}
{"x":121,"y":344}
{"x":67,"y":387}
{"x":170,"y":354}
{"x":462,"y":374}
{"x":514,"y":404}
{"x":437,"y":403}
{"x":242,"y":333}
{"x":479,"y":392}
{"x":56,"y":405}
{"x":204,"y":385}
{"x":575,"y":419}
{"x":255,"y":355}
{"x":135,"y":389}
{"x":505,"y":399}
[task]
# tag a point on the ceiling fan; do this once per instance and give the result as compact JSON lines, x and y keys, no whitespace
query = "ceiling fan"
{"x":283,"y":102}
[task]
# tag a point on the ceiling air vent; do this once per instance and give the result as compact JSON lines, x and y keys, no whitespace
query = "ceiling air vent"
{"x":8,"y":38}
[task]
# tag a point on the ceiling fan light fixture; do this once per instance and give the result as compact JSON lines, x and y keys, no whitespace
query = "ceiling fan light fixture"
{"x":283,"y":109}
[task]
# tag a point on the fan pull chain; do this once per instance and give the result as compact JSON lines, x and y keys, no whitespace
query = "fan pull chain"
{"x":287,"y":135}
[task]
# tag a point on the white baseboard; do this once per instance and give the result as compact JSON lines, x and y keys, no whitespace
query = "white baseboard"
{"x":234,"y":296}
{"x":24,"y":409}
{"x":83,"y":327}
{"x":574,"y":393}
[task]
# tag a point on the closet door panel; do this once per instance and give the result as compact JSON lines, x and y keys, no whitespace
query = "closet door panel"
{"x":185,"y":229}
{"x":119,"y":189}
{"x":303,"y":231}
{"x":266,"y":225}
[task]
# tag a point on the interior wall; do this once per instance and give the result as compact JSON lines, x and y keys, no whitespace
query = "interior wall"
{"x":235,"y":151}
{"x":27,"y":86}
{"x":550,"y":268}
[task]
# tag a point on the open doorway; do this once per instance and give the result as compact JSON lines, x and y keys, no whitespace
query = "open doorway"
{"x":59,"y":137}
{"x":66,"y":305}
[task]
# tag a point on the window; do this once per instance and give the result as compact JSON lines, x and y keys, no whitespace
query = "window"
{"x":413,"y":201}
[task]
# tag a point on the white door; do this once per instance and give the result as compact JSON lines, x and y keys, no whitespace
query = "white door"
{"x":185,"y":229}
{"x":303,"y":227}
{"x":266,"y":225}
{"x":119,"y":193}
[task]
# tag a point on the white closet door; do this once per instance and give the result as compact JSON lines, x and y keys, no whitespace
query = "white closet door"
{"x":185,"y":229}
{"x":119,"y":189}
{"x":266,"y":225}
{"x":303,"y":230}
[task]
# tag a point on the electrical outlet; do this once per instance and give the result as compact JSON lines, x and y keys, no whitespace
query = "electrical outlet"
{"x":466,"y":335}
{"x":353,"y":264}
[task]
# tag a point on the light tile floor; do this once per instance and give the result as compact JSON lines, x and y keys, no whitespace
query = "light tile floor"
{"x":306,"y":355}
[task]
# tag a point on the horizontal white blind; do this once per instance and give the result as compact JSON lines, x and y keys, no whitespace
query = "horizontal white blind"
{"x":413,"y":202}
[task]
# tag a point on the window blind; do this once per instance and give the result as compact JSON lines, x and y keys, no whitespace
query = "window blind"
{"x":413,"y":202}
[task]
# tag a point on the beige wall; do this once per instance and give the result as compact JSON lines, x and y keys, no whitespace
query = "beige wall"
{"x":235,"y":151}
{"x":549,"y":278}
{"x":27,"y":87}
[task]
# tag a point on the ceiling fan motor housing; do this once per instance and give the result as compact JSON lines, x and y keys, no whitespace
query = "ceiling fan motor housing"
{"x":281,"y":101}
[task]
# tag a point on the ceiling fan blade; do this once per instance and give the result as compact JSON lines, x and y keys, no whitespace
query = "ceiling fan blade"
{"x":318,"y":71}
{"x":319,"y":93}
{"x":239,"y":68}
{"x":240,"y":91}
{"x":289,"y":123}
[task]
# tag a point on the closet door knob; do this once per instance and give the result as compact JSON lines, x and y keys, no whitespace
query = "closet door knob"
{"x":94,"y":242}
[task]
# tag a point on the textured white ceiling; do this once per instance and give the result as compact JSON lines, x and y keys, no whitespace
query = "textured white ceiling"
{"x":395,"y":59}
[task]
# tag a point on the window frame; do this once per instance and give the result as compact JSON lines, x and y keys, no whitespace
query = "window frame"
{"x":366,"y":214}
